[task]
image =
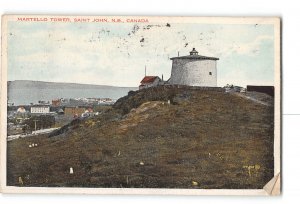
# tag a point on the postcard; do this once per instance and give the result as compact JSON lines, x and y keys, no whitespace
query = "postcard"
{"x":140,"y":105}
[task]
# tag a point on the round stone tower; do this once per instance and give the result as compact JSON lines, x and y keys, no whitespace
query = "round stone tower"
{"x":194,"y":70}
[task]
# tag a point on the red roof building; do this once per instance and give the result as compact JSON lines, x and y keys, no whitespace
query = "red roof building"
{"x":149,"y":81}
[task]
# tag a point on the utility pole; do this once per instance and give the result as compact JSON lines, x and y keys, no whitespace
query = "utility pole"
{"x":145,"y":70}
{"x":35,"y":125}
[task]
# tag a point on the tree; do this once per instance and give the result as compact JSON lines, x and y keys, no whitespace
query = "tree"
{"x":40,"y":122}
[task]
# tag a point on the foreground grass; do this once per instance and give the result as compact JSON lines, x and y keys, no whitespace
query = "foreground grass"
{"x":202,"y":139}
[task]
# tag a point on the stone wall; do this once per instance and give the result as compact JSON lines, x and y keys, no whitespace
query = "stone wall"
{"x":193,"y":72}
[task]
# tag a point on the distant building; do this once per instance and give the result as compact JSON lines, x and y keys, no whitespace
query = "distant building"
{"x":263,"y":89}
{"x":21,"y":109}
{"x":89,"y":110}
{"x":10,"y":104}
{"x":43,"y":103}
{"x":56,"y":102}
{"x":106,"y":101}
{"x":40,"y":109}
{"x":64,"y":101}
{"x":60,"y":111}
{"x":77,"y":102}
{"x":74,"y":110}
{"x":149,"y":81}
{"x":194,"y":70}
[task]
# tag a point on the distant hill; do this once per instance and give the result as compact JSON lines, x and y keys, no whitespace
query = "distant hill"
{"x":23,"y":92}
{"x":21,"y":84}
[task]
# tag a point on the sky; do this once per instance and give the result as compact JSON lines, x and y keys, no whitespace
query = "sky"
{"x":116,"y":54}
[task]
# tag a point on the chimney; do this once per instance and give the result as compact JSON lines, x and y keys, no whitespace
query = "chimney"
{"x":178,"y":53}
{"x":162,"y":77}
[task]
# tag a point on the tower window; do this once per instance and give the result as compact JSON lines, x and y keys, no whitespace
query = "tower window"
{"x":210,"y":73}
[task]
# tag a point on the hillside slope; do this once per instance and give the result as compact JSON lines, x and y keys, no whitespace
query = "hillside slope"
{"x":202,"y":139}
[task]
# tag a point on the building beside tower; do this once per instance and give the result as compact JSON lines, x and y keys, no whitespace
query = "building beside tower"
{"x":150,"y":81}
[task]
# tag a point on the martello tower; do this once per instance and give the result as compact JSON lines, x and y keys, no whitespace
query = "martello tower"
{"x":194,"y":70}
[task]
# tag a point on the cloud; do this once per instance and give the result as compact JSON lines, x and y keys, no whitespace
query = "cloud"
{"x":250,"y":48}
{"x":117,"y":54}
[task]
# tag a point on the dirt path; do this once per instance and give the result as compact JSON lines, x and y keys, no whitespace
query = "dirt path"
{"x":34,"y":133}
{"x":252,"y":99}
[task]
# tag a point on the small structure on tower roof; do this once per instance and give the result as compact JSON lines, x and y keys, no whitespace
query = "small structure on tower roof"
{"x":194,"y":52}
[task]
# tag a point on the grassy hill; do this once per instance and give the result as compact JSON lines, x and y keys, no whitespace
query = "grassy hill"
{"x":202,"y":139}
